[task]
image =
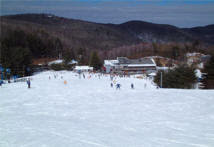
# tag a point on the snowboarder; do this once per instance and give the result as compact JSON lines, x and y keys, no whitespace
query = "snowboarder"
{"x":111,"y":84}
{"x":132,"y":86}
{"x":28,"y":82}
{"x":118,"y":86}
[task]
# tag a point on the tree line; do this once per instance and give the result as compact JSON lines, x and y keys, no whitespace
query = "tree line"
{"x":18,"y":49}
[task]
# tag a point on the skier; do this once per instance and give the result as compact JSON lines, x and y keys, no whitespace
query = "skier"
{"x":84,"y":76}
{"x":14,"y":77}
{"x":111,"y":77}
{"x":28,"y":83}
{"x":132,"y":86}
{"x":1,"y":82}
{"x":145,"y":86}
{"x":111,"y":84}
{"x":65,"y":82}
{"x":118,"y":86}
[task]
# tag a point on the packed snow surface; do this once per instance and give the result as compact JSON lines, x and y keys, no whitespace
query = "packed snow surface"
{"x":89,"y":113}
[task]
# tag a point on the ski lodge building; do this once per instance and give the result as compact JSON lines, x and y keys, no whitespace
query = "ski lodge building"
{"x":124,"y":65}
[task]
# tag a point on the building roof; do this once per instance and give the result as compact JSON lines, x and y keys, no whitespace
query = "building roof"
{"x":140,"y":65}
{"x":110,"y":62}
{"x":131,"y":62}
{"x":144,"y":61}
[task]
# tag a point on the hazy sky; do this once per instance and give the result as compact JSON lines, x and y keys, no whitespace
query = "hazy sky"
{"x":181,"y":13}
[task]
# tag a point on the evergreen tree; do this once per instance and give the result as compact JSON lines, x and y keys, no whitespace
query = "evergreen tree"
{"x":155,"y":48}
{"x":58,"y":47}
{"x":68,"y":56}
{"x":209,"y":69}
{"x":36,"y":45}
{"x":81,"y":53}
{"x":95,"y":61}
{"x":18,"y":59}
{"x":175,"y":52}
{"x":15,"y":55}
{"x":18,"y":48}
{"x":180,"y":77}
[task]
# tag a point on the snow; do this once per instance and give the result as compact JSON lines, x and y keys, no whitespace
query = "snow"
{"x":59,"y":61}
{"x":89,"y":113}
{"x":194,"y":54}
{"x":200,"y":65}
{"x":163,"y":68}
{"x":198,"y":73}
{"x":83,"y":68}
{"x":73,"y":62}
{"x":152,"y":74}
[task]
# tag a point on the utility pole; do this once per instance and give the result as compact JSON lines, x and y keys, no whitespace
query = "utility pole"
{"x":161,"y":80}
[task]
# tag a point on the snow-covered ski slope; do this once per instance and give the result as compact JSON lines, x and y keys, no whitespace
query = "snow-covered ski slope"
{"x":89,"y":113}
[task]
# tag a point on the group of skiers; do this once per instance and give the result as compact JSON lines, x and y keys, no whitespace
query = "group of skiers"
{"x":118,"y":85}
{"x":27,"y":81}
{"x":89,"y":76}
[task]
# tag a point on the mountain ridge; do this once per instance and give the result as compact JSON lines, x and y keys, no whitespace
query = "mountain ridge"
{"x":76,"y":33}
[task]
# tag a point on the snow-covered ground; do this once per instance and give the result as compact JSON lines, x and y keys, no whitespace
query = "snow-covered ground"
{"x":89,"y":113}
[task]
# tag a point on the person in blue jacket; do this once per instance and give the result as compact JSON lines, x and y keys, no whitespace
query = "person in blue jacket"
{"x":1,"y":82}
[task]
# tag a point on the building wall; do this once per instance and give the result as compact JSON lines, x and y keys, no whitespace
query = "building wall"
{"x":133,"y":70}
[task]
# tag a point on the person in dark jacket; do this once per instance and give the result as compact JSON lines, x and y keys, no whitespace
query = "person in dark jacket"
{"x":118,"y":86}
{"x":28,"y":82}
{"x":132,"y":86}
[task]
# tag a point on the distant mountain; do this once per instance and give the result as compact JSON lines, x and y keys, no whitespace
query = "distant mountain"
{"x":205,"y":34}
{"x":77,"y":33}
{"x":73,"y":33}
{"x":150,"y":32}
